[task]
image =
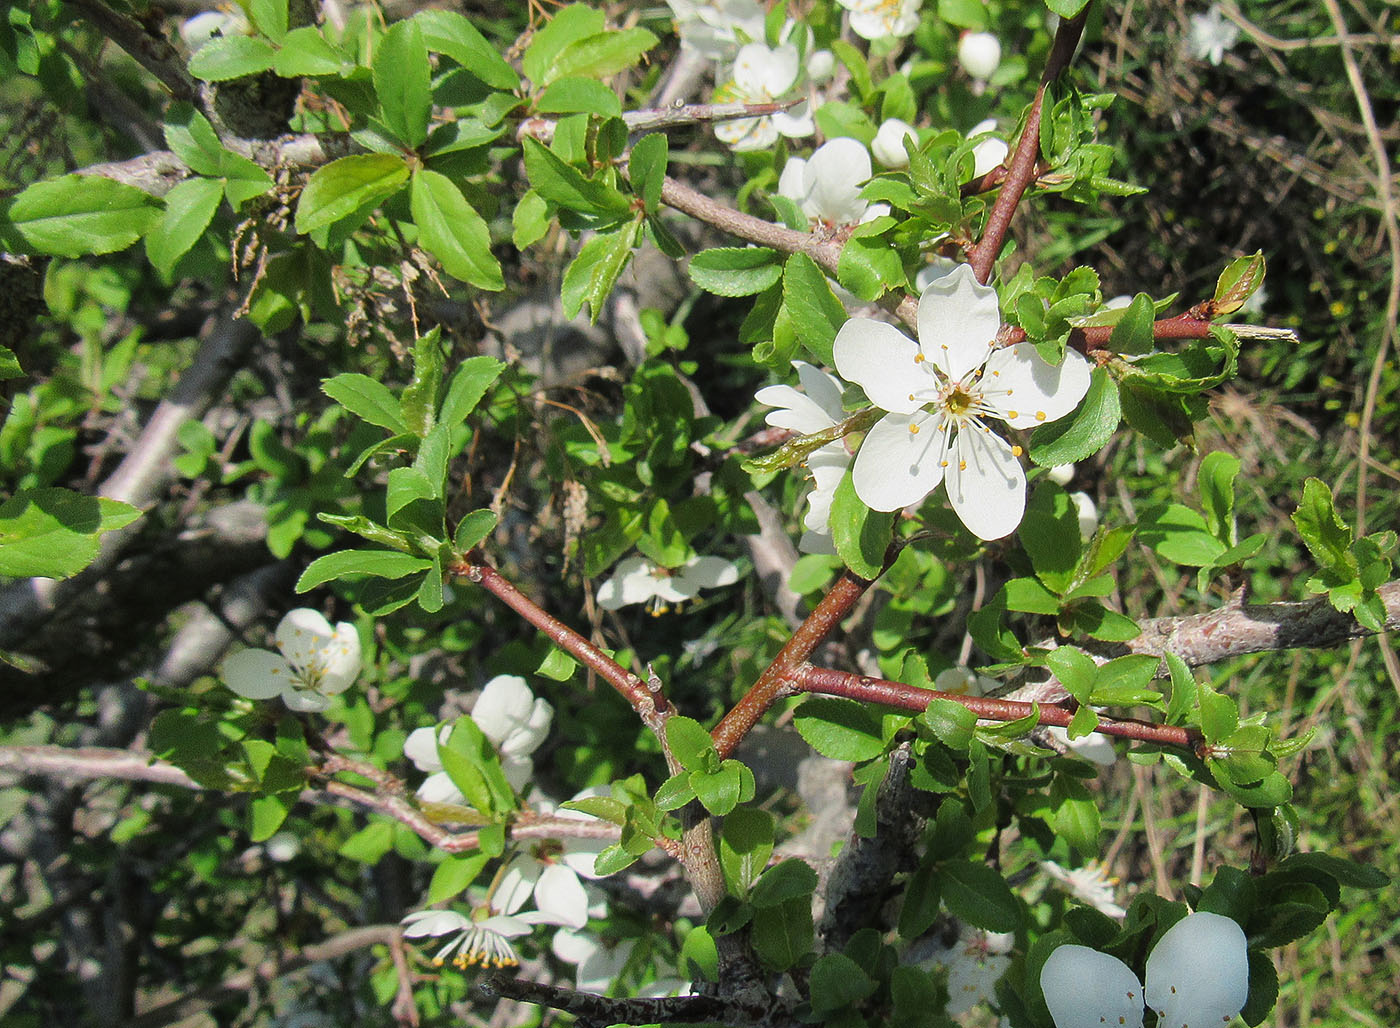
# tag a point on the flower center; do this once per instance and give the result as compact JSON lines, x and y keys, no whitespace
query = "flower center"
{"x":959,"y":401}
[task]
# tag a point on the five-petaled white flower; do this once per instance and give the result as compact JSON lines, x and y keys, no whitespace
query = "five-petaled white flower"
{"x":827,"y":185}
{"x":876,"y":19}
{"x":1089,"y":884}
{"x":1211,"y":35}
{"x":715,"y":29}
{"x":316,"y":662}
{"x":638,"y":580}
{"x":939,"y":392}
{"x":1197,"y":976}
{"x":975,"y":963}
{"x":816,"y":409}
{"x":598,"y":963}
{"x":508,"y":714}
{"x":763,"y":74}
{"x":483,"y":939}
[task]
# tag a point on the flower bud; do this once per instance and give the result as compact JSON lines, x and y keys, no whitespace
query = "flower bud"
{"x":979,"y":53}
{"x":888,"y":144}
{"x":820,"y":65}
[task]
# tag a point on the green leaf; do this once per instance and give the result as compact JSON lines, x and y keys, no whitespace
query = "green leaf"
{"x":469,"y":384}
{"x":1075,"y":817}
{"x":231,"y":57}
{"x":690,"y":743}
{"x":839,"y":728}
{"x":451,"y":34}
{"x":530,"y":220}
{"x":745,"y":845}
{"x":191,"y":137}
{"x":342,"y":187}
{"x":782,"y":935}
{"x":367,"y":398}
{"x":868,"y":265}
{"x":735,"y":270}
{"x":77,"y":215}
{"x":269,"y":17}
{"x":454,"y":874}
{"x":1238,"y":282}
{"x":790,"y":879}
{"x":964,"y":14}
{"x":189,"y":208}
{"x":722,"y":791}
{"x":1358,"y":876}
{"x":472,"y":529}
{"x":451,"y":230}
{"x":921,"y":902}
{"x":579,"y":96}
{"x":1220,"y":715}
{"x":266,"y":814}
{"x":1216,"y":482}
{"x":1029,"y":596}
{"x":675,"y":792}
{"x":950,"y":721}
{"x":593,"y":273}
{"x":566,"y":186}
{"x":403,"y":82}
{"x":569,"y":24}
{"x":1184,"y":693}
{"x":837,"y":981}
{"x":1050,"y":533}
{"x":54,"y":533}
{"x":418,"y":404}
{"x":1075,"y":669}
{"x":305,"y":52}
{"x":1084,"y":432}
{"x":860,"y":534}
{"x":646,"y":169}
{"x":599,"y":55}
{"x":1326,"y":535}
{"x":370,"y":563}
{"x":1179,"y":534}
{"x":815,"y":312}
{"x":980,"y":896}
{"x":1132,"y":334}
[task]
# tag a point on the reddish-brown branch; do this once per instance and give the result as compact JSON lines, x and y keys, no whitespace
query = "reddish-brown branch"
{"x":1022,"y":170}
{"x":1182,"y":326}
{"x":778,"y":679}
{"x":628,"y":685}
{"x":831,"y":682}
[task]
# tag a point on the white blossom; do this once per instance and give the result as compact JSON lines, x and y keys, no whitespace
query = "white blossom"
{"x":509,"y":715}
{"x":975,"y":963}
{"x":1197,"y":976}
{"x":940,"y":392}
{"x":888,"y":144}
{"x":989,"y":152}
{"x":979,"y":53}
{"x":763,"y":74}
{"x":598,"y":963}
{"x":815,"y":409}
{"x":1089,"y":884}
{"x":717,"y":28}
{"x":638,"y":580}
{"x":879,"y":19}
{"x":1211,"y":35}
{"x":1094,"y":747}
{"x":1061,"y":474}
{"x":559,"y":896}
{"x":1088,"y":513}
{"x":827,"y":185}
{"x":475,"y":943}
{"x":315,"y":663}
{"x":962,"y":681}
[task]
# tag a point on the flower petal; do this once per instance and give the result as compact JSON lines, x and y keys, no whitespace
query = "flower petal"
{"x":560,"y":895}
{"x":422,"y":923}
{"x":833,"y":178}
{"x":1095,"y":747}
{"x":517,"y":884}
{"x":633,"y":581}
{"x":796,"y":411}
{"x":792,"y":183}
{"x":421,"y":747}
{"x":1026,"y":391}
{"x":958,"y":322}
{"x":257,"y":674}
{"x":1087,"y":989}
{"x":439,"y":788}
{"x":505,"y":702}
{"x":881,"y":359}
{"x":822,"y":388}
{"x":305,"y":701}
{"x":704,"y":573}
{"x":339,"y":660}
{"x":986,"y":483}
{"x":901,"y":461}
{"x":302,"y":634}
{"x":1198,"y":973}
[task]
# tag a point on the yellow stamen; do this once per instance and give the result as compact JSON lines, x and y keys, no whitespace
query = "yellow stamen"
{"x":913,"y":429}
{"x":1016,"y":451}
